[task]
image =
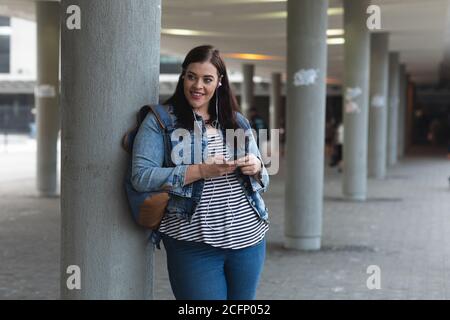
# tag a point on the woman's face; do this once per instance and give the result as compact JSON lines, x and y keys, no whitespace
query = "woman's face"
{"x":200,"y":82}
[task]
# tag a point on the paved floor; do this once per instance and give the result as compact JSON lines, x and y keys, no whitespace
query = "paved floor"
{"x":403,"y":228}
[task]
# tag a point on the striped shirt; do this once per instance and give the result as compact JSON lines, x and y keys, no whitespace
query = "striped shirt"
{"x":223,"y":217}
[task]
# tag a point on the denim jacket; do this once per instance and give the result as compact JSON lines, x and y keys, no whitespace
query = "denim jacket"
{"x":148,"y":173}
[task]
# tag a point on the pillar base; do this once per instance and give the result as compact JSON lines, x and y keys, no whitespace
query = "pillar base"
{"x":43,"y":194}
{"x":355,"y":197}
{"x":377,"y":176}
{"x":302,"y":243}
{"x":392,"y":163}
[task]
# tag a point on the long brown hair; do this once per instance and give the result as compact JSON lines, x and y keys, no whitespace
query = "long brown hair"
{"x":227,"y":101}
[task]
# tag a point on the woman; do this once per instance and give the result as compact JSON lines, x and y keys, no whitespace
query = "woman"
{"x":215,"y":222}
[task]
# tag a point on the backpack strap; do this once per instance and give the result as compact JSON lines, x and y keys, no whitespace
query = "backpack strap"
{"x":163,"y":116}
{"x":165,"y":122}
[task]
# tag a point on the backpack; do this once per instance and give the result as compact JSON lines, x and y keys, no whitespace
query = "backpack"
{"x":148,"y":208}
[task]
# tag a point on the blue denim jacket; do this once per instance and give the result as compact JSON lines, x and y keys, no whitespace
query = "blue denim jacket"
{"x":148,"y":173}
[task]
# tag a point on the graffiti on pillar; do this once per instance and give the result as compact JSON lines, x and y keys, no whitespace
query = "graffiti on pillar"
{"x":350,"y":95}
{"x":374,"y":280}
{"x":73,"y":22}
{"x":45,"y":91}
{"x":378,"y":101}
{"x":74,"y":280}
{"x":374,"y":20}
{"x":306,"y":77}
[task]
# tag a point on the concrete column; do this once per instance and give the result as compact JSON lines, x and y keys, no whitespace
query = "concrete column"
{"x":409,"y":113}
{"x":275,"y":110}
{"x":305,"y":121}
{"x":247,"y":90}
{"x":275,"y":101}
{"x":379,"y":71}
{"x":401,"y":112}
{"x":47,"y":96}
{"x":110,"y":68}
{"x":356,"y":98}
{"x":393,"y":108}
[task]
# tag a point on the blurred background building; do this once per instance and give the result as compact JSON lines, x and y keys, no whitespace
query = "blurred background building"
{"x":423,"y":48}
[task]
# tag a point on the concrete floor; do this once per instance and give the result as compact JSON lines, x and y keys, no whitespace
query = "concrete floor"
{"x":403,"y":228}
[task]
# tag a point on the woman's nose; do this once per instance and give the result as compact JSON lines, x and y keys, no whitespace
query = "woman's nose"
{"x":198,"y":84}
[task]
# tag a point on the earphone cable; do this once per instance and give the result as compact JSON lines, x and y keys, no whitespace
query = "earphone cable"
{"x":205,"y":217}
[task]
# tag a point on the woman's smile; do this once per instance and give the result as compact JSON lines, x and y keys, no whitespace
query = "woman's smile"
{"x":196,"y":95}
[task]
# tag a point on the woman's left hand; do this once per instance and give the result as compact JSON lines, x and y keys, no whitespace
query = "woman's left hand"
{"x":250,"y":164}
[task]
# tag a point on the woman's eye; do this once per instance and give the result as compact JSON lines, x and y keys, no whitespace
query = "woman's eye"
{"x":208,"y":80}
{"x":190,"y":77}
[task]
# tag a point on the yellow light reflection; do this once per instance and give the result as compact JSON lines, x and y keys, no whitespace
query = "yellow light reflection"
{"x":335,"y":41}
{"x":335,"y":32}
{"x":252,"y":56}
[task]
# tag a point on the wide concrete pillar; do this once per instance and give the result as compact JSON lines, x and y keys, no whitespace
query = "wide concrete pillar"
{"x":110,"y":68}
{"x":247,"y":89}
{"x":356,"y":98}
{"x":401,"y":112}
{"x":379,"y":77}
{"x":305,"y":122}
{"x":47,"y":96}
{"x":394,"y":80}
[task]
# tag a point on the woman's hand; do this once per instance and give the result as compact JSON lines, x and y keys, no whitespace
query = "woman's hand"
{"x":250,"y":164}
{"x":216,"y":166}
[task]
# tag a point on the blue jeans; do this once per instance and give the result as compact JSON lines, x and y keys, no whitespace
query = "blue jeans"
{"x":198,"y":271}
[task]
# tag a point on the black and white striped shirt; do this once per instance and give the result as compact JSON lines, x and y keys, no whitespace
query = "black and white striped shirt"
{"x":223,"y":217}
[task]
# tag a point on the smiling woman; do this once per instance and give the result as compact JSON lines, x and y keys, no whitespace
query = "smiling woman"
{"x":215,"y":222}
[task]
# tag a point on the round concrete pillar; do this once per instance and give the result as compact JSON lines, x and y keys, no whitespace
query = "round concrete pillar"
{"x":356,"y":98}
{"x":110,"y":68}
{"x":305,"y":122}
{"x":47,"y":96}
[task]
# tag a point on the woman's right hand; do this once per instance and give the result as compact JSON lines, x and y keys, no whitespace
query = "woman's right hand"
{"x":216,"y":166}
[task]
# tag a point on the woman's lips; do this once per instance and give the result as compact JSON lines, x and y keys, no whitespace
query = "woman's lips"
{"x":196,"y":95}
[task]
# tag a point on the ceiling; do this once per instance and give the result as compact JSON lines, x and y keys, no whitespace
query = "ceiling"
{"x":419,"y":30}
